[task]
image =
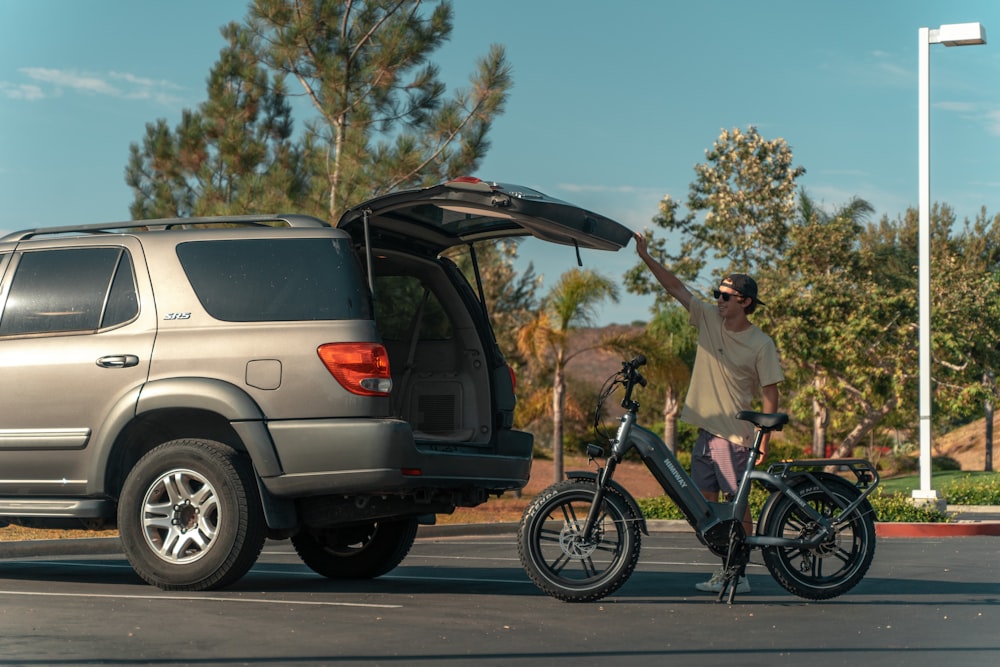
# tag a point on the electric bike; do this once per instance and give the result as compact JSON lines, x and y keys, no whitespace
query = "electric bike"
{"x":579,"y":539}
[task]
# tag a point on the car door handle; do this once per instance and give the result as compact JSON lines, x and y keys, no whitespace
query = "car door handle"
{"x":118,"y":361}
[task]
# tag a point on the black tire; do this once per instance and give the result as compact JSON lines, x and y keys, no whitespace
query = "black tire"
{"x":363,"y":551}
{"x":835,"y":566}
{"x":190,"y":517}
{"x":564,"y":566}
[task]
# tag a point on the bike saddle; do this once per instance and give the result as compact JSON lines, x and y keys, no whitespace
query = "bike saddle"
{"x":763,"y":420}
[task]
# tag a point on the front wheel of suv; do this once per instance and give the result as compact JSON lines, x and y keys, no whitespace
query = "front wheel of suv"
{"x":362,"y":551}
{"x":189,"y":516}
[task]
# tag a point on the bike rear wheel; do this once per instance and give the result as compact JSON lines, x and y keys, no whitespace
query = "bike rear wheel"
{"x":836,"y":565}
{"x":560,"y":561}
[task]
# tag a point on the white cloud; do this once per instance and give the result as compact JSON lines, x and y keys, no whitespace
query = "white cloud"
{"x":24,"y":91}
{"x":605,"y":189}
{"x":961,"y":107}
{"x":992,"y":119}
{"x":47,"y":82}
{"x":989,"y":119}
{"x":70,"y":79}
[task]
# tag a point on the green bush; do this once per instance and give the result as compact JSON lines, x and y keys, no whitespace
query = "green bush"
{"x":973,"y":491}
{"x":957,"y":487}
{"x":894,"y":507}
{"x":899,"y":507}
{"x":662,"y":507}
{"x":942,"y":463}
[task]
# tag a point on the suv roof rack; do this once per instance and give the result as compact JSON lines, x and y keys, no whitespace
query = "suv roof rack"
{"x":165,"y":224}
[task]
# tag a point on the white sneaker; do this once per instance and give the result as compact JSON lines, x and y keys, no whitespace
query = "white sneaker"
{"x":714,"y":585}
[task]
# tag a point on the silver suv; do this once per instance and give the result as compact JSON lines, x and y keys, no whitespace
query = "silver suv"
{"x":206,"y":383}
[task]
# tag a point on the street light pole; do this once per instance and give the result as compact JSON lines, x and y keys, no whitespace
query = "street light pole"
{"x":955,"y":34}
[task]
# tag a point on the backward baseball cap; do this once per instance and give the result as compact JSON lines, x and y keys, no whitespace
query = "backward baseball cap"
{"x":743,"y":284}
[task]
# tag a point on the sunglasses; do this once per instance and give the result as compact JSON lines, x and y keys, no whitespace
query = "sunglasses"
{"x":726,"y":296}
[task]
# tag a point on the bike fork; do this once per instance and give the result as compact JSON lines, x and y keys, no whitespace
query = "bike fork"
{"x":595,"y":507}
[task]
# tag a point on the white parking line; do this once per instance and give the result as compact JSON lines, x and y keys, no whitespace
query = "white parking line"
{"x":172,"y":598}
{"x":468,"y":580}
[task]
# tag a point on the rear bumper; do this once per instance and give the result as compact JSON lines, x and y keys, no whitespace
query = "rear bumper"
{"x":375,"y":456}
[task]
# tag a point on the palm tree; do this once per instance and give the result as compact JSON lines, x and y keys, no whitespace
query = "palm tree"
{"x":669,"y":343}
{"x":572,"y":303}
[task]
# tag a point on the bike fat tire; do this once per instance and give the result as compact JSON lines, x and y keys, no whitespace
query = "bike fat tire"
{"x":568,"y":569}
{"x":835,"y":566}
{"x":189,"y":516}
{"x":362,"y":551}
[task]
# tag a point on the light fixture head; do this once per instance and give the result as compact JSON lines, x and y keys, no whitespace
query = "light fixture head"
{"x":958,"y":34}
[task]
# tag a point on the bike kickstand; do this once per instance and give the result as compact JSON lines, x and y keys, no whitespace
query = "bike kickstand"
{"x":729,"y":584}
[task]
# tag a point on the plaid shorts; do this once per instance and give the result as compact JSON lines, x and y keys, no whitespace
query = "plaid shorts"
{"x":717,"y":464}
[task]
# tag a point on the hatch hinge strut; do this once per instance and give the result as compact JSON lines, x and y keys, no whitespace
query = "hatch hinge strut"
{"x":366,"y":216}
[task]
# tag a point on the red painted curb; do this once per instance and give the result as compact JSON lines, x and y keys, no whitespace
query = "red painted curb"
{"x":962,"y":529}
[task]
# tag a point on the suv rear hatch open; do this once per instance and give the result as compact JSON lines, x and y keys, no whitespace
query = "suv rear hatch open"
{"x":466,"y":210}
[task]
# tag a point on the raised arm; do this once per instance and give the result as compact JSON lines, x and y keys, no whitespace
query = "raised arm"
{"x":670,"y":282}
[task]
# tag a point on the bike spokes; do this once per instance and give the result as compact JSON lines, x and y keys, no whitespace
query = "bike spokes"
{"x":561,"y":559}
{"x":837,"y":563}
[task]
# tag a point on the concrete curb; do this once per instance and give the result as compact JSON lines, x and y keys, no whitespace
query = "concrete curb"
{"x":974,"y":521}
{"x":888,"y":530}
{"x":84,"y":546}
{"x":956,"y":529}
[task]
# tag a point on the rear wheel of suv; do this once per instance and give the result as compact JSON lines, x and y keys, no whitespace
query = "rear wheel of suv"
{"x":364,"y":551}
{"x":189,"y":516}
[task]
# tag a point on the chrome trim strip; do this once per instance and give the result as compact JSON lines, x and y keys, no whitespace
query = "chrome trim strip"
{"x":48,"y":438}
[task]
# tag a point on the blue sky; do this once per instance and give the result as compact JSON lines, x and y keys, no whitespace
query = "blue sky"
{"x":613,"y":105}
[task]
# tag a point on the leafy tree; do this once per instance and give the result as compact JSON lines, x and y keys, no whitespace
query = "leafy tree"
{"x":746,"y":189}
{"x":965,"y":313}
{"x":571,"y":303}
{"x":380,"y":119}
{"x":844,"y":312}
{"x":842,"y":320}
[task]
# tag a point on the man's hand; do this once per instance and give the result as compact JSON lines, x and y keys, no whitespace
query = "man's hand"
{"x":640,"y":245}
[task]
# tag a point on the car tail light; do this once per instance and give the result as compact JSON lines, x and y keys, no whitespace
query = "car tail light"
{"x":513,"y":378}
{"x":361,"y":368}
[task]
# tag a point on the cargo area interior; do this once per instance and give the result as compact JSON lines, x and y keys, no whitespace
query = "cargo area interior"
{"x":439,"y":369}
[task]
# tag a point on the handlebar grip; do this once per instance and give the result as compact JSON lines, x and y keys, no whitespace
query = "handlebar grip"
{"x":639,"y":360}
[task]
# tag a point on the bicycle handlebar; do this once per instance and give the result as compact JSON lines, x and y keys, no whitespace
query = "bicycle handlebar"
{"x":632,"y":374}
{"x":632,"y":377}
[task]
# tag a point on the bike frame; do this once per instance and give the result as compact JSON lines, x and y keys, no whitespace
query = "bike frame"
{"x":713,"y":522}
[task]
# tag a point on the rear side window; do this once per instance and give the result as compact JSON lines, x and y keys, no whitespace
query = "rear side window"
{"x":405,"y":308}
{"x":77,"y":289}
{"x":275,"y":280}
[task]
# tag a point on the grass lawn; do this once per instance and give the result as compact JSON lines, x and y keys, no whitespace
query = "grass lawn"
{"x":939,"y":480}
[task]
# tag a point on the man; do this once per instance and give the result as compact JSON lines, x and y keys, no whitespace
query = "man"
{"x":734,"y":359}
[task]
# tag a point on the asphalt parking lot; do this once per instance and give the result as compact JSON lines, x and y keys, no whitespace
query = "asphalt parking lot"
{"x":464,"y":598}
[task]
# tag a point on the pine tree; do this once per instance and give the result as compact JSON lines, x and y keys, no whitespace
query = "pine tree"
{"x":375,"y":116}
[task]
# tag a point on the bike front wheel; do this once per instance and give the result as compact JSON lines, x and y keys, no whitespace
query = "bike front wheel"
{"x":834,"y":566}
{"x":560,"y":560}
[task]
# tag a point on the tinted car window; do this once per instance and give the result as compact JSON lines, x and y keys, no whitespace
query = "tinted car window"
{"x":260,"y":280}
{"x":123,"y":303}
{"x":66,"y":290}
{"x":404,"y":306}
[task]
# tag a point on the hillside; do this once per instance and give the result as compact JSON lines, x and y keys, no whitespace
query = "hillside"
{"x":967,"y":444}
{"x":591,"y":364}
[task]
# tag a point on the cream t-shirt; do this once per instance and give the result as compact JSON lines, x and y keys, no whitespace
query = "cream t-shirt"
{"x":729,"y":369}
